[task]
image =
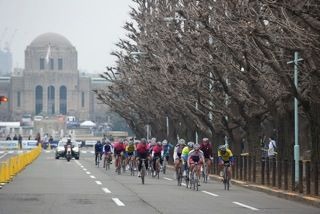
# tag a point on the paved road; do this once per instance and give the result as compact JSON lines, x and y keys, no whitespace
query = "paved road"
{"x":57,"y":186}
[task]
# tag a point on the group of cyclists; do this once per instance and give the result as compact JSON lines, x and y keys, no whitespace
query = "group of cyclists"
{"x":190,"y":154}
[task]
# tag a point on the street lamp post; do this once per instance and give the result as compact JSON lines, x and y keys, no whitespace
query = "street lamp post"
{"x":296,"y":119}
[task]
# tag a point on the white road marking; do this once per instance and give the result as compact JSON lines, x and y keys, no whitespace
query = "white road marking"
{"x":209,"y":193}
{"x":84,"y":169}
{"x":82,"y":166}
{"x":84,"y":152}
{"x":92,"y":152}
{"x":246,"y":206}
{"x":183,"y":184}
{"x":3,"y":155}
{"x":1,"y":152}
{"x":88,"y":173}
{"x":118,"y":202}
{"x":169,"y":179}
{"x":106,"y":190}
{"x":10,"y":152}
{"x":48,"y":151}
{"x":99,"y":182}
{"x":20,"y":151}
{"x":91,"y":176}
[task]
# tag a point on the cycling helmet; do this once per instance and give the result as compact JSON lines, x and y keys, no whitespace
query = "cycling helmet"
{"x":196,"y":146}
{"x":223,"y":148}
{"x":190,"y":144}
{"x":153,"y":139}
{"x":164,"y":142}
{"x":159,"y":143}
{"x":205,"y":140}
{"x":143,"y":140}
{"x":182,"y":142}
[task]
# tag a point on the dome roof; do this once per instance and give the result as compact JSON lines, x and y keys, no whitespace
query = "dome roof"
{"x":53,"y":39}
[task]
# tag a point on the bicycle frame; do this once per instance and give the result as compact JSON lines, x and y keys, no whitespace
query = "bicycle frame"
{"x":226,"y":178}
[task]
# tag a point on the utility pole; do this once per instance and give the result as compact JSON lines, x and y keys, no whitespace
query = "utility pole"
{"x":296,"y":119}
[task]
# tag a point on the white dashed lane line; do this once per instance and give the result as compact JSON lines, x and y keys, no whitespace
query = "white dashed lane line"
{"x":169,"y":179}
{"x":84,"y":169}
{"x":246,"y":206}
{"x":91,"y":176}
{"x":118,"y":202}
{"x":99,"y":182}
{"x":209,"y":193}
{"x":106,"y":190}
{"x":88,"y":173}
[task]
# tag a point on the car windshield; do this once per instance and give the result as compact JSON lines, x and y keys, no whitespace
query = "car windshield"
{"x":63,"y":143}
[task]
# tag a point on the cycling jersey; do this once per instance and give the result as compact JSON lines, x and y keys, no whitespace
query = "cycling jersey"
{"x":206,"y":149}
{"x":185,"y":153}
{"x":195,"y":156}
{"x":227,"y":156}
{"x":107,"y":148}
{"x":130,"y":148}
{"x":141,"y":148}
{"x":118,"y":148}
{"x":157,"y":149}
{"x":98,"y":147}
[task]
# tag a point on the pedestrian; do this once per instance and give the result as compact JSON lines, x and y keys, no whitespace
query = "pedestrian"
{"x":20,"y":141}
{"x":15,"y":137}
{"x":272,"y":147}
{"x":8,"y":137}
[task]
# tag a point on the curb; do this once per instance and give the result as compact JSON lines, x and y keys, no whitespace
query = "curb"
{"x":272,"y":191}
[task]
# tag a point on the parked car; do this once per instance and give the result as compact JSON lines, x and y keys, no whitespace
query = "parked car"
{"x":38,"y":118}
{"x":60,"y":149}
{"x":26,"y":120}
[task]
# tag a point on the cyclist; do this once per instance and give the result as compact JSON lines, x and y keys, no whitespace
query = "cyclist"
{"x":225,"y":156}
{"x":130,"y":148}
{"x":185,"y":154}
{"x":166,"y":147}
{"x":206,"y":148}
{"x":98,"y":151}
{"x":119,"y":149}
{"x":177,"y":152}
{"x":195,"y":156}
{"x":142,"y":153}
{"x":156,"y":153}
{"x":107,"y":151}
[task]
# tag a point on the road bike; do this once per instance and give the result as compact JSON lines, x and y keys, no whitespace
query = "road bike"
{"x":118,"y":163}
{"x":195,"y":177}
{"x":143,"y":169}
{"x":98,"y":159}
{"x":107,"y":161}
{"x":131,"y":166}
{"x":179,"y":172}
{"x":164,"y":165}
{"x":205,"y":173}
{"x":157,"y":169}
{"x":226,"y":179}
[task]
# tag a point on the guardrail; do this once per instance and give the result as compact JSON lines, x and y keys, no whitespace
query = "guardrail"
{"x":15,"y":164}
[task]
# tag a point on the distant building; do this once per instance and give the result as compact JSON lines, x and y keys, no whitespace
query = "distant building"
{"x":51,"y":84}
{"x":5,"y":62}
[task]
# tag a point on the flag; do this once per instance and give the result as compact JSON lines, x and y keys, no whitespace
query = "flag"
{"x":48,"y":54}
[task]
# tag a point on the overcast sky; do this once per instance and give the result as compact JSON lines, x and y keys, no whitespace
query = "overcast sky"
{"x":92,"y":26}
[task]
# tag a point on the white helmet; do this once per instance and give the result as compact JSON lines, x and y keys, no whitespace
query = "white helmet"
{"x":159,"y":143}
{"x":164,"y":142}
{"x":196,"y":146}
{"x":182,"y":142}
{"x":190,"y":144}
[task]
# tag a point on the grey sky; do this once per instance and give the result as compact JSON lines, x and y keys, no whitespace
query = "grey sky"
{"x":92,"y":26}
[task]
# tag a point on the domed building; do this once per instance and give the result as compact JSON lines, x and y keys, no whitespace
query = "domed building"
{"x":51,"y":84}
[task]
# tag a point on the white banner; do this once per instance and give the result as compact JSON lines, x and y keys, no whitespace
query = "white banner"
{"x":9,"y":144}
{"x":29,"y":144}
{"x":91,"y":142}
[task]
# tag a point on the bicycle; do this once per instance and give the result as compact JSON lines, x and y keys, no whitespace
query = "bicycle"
{"x":164,"y":165}
{"x":98,"y":158}
{"x":205,"y":173}
{"x":118,"y":163}
{"x":226,"y":179}
{"x":157,"y":169}
{"x":143,"y":170}
{"x":186,"y":177}
{"x":131,"y":166}
{"x":179,"y":172}
{"x":195,"y":177}
{"x":107,"y":161}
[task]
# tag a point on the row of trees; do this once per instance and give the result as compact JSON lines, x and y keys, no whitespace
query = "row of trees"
{"x":219,"y":68}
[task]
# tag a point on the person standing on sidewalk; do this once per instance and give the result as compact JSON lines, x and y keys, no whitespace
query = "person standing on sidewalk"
{"x":272,"y":148}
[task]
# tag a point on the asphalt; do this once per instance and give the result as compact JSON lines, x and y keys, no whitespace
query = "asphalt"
{"x":314,"y":201}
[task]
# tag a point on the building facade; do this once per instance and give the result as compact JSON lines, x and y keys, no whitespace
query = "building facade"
{"x":51,"y":84}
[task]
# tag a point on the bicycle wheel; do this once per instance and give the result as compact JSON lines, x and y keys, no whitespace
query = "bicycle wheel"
{"x":225,"y":179}
{"x":143,"y":172}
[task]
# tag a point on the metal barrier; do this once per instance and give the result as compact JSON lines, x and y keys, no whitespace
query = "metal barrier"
{"x":12,"y":166}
